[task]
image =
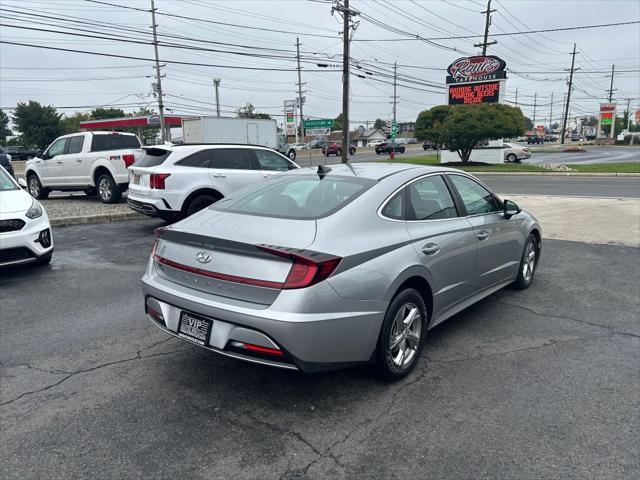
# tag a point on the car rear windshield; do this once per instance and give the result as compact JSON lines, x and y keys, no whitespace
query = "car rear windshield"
{"x":101,"y":143}
{"x":303,"y":197}
{"x":6,"y":183}
{"x":152,"y":157}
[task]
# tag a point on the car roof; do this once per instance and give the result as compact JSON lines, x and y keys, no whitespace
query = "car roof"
{"x":373,"y":171}
{"x":197,"y":146}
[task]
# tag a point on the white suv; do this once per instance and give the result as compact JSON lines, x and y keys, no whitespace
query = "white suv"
{"x":174,"y":181}
{"x":95,"y":162}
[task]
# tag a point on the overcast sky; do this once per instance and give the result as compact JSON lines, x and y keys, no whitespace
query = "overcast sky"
{"x":536,"y":61}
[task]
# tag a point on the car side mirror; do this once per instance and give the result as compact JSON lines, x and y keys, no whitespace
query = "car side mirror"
{"x":510,"y":209}
{"x":22,"y":182}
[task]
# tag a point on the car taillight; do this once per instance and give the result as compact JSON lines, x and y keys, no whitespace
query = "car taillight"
{"x":128,"y":159}
{"x":306,"y":270}
{"x":156,"y":180}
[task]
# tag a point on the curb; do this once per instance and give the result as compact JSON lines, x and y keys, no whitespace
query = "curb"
{"x":92,"y":219}
{"x":560,"y":174}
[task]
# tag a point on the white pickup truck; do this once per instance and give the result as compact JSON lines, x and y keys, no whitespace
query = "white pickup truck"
{"x":93,"y":162}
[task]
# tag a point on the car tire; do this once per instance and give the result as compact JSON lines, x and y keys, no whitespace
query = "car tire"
{"x":528,"y":263}
{"x":35,"y":187}
{"x":512,"y":158}
{"x":402,"y":150}
{"x":200,"y":202}
{"x":407,"y":311}
{"x":377,"y":152}
{"x":352,"y":151}
{"x":291,"y":155}
{"x":338,"y":153}
{"x":108,"y":190}
{"x":44,"y":260}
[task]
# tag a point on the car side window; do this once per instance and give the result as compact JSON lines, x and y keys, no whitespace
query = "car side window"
{"x":234,"y":158}
{"x":430,"y":199}
{"x":394,"y":208}
{"x":271,"y":161}
{"x":74,"y":144}
{"x":57,"y":148}
{"x":201,"y":159}
{"x":477,"y":199}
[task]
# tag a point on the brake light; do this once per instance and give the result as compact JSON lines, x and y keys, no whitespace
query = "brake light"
{"x":128,"y":159}
{"x":156,"y":180}
{"x":257,"y":348}
{"x":306,"y":270}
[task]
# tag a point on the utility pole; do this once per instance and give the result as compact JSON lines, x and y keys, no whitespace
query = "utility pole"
{"x":551,"y":113}
{"x":611,"y":89}
{"x":163,"y":133}
{"x":346,"y":17}
{"x":516,"y":97}
{"x":566,"y":107}
{"x":486,"y":43}
{"x":216,"y":83}
{"x":392,"y":155}
{"x":300,"y":101}
{"x":535,"y":105}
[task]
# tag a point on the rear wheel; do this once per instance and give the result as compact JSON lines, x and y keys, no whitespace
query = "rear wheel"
{"x":108,"y":189}
{"x":200,"y":202}
{"x":35,"y":187}
{"x":528,"y":263}
{"x":402,"y":336}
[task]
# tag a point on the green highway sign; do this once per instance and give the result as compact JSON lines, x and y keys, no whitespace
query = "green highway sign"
{"x":322,"y":123}
{"x":394,"y":127}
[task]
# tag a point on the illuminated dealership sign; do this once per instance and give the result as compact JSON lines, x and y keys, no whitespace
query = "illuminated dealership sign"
{"x":488,"y":92}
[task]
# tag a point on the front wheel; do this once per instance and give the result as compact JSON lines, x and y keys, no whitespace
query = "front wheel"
{"x":291,"y":154}
{"x":108,"y":189}
{"x":528,"y":263}
{"x":338,"y":153}
{"x":35,"y":187}
{"x":403,"y":333}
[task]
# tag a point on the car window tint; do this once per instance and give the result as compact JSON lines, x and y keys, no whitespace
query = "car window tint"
{"x":56,"y":148}
{"x":234,"y":158}
{"x":271,"y":160}
{"x":152,"y":157}
{"x":429,"y":199}
{"x":395,"y":207}
{"x":295,"y":196}
{"x":6,"y":183}
{"x":115,"y":141}
{"x":200,"y":159}
{"x":477,"y":199}
{"x":74,"y":144}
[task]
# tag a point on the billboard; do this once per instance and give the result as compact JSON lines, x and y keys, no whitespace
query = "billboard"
{"x":480,"y":68}
{"x":488,"y":92}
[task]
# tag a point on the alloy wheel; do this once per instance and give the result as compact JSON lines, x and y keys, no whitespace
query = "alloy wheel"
{"x":34,"y":187}
{"x":529,"y":262}
{"x":105,"y":190}
{"x":406,"y":331}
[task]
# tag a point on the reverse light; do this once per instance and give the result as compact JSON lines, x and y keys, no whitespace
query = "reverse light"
{"x":35,"y":210}
{"x":308,"y":268}
{"x":128,"y":158}
{"x":156,"y":180}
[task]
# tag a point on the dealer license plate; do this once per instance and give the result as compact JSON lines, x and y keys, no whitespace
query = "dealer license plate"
{"x":136,"y":179}
{"x":194,"y":328}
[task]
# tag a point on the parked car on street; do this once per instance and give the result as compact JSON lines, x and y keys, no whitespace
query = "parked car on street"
{"x":300,"y":146}
{"x":515,"y":153}
{"x":172,"y":182}
{"x":6,"y":161}
{"x":386,"y":147}
{"x":318,"y":143}
{"x":335,"y":148}
{"x":346,"y":265}
{"x":25,"y":232}
{"x":534,"y":139}
{"x":93,"y":162}
{"x":20,"y":152}
{"x":375,"y":143}
{"x":426,"y":145}
{"x":412,"y":141}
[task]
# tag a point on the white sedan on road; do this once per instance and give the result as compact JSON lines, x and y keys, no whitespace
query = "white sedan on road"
{"x":25,"y":232}
{"x":515,"y":153}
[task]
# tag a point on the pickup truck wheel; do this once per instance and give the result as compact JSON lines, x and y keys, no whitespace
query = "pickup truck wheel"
{"x":108,"y":189}
{"x":292,"y":155}
{"x":200,"y":202}
{"x":35,"y":187}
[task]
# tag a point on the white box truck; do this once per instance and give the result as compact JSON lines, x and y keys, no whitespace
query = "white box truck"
{"x":252,"y":131}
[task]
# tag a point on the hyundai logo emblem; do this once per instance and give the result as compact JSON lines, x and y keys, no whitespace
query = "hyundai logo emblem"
{"x":203,"y":257}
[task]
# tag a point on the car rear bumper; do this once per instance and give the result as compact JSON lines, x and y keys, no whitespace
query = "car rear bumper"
{"x":151,"y":207}
{"x":310,"y":342}
{"x":28,"y":244}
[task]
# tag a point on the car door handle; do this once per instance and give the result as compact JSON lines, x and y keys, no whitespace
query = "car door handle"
{"x":483,"y":235}
{"x":79,"y":160}
{"x":218,"y":175}
{"x":431,"y":249}
{"x":59,"y":162}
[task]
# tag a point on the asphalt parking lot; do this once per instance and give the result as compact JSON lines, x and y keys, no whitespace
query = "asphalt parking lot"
{"x":524,"y":385}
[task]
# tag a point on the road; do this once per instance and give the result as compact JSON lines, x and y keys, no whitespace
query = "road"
{"x":534,"y":384}
{"x":618,"y":187}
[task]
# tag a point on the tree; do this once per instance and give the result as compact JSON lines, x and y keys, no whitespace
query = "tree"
{"x":462,"y":127}
{"x":555,"y":125}
{"x":248,"y":111}
{"x":4,"y":127}
{"x":380,"y":124}
{"x":104,"y":113}
{"x":148,"y":133}
{"x":39,"y":125}
{"x":528,"y":123}
{"x":337,"y":123}
{"x":71,"y":123}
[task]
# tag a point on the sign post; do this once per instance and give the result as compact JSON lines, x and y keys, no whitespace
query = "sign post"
{"x":320,"y":128}
{"x":290,"y":120}
{"x":394,"y":132}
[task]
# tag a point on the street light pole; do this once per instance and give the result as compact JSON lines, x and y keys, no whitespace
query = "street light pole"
{"x":163,"y":133}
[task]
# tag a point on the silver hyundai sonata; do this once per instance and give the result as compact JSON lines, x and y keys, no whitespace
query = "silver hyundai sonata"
{"x":350,"y":264}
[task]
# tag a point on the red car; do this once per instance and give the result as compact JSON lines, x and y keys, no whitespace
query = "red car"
{"x":335,"y":148}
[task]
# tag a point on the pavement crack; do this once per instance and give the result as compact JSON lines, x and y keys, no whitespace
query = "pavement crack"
{"x":69,"y":375}
{"x":610,"y":329}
